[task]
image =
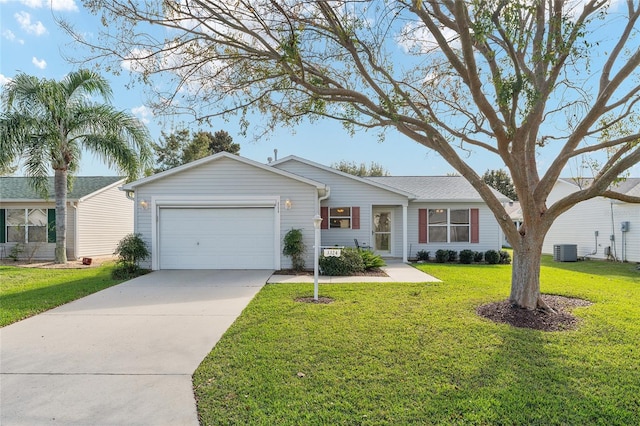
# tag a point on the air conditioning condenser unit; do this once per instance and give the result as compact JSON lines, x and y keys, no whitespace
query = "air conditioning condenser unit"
{"x":565,"y":252}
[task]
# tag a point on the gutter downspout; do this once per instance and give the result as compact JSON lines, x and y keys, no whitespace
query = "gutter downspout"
{"x":75,"y":229}
{"x":320,"y":199}
{"x":405,"y":257}
{"x":324,"y":197}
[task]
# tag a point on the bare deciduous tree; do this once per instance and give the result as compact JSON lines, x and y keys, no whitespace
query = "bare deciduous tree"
{"x":516,"y":79}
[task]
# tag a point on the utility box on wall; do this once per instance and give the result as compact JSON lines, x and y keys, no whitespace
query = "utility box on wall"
{"x":624,"y":227}
{"x":565,"y":252}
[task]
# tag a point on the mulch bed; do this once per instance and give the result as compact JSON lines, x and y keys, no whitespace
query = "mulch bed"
{"x":49,"y":264}
{"x":562,"y":320}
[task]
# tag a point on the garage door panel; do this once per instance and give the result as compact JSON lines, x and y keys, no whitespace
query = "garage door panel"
{"x":217,"y":238}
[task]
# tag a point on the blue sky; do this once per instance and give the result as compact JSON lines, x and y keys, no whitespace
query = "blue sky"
{"x":31,"y":42}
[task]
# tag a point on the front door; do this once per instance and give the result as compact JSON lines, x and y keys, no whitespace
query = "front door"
{"x":382,"y":221}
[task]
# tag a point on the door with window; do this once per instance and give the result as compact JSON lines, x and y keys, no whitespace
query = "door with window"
{"x":382,"y":230}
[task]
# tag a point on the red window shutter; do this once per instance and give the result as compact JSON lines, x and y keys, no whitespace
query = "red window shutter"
{"x":355,"y":217}
{"x":422,"y":226}
{"x":324,"y":214}
{"x":475,"y":226}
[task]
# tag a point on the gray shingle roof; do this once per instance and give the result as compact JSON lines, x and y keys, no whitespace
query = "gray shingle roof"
{"x":629,"y":186}
{"x":18,"y":188}
{"x":435,"y":188}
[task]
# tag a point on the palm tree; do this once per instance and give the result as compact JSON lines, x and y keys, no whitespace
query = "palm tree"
{"x":47,"y":124}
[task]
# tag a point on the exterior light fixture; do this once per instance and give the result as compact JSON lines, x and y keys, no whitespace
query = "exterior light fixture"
{"x":144,"y":204}
{"x":287,"y":204}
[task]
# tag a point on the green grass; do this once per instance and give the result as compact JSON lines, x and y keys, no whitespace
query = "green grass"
{"x":25,"y":292}
{"x":418,"y":354}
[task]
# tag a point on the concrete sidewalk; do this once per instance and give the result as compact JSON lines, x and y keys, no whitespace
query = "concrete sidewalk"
{"x":122,"y":356}
{"x":396,"y":270}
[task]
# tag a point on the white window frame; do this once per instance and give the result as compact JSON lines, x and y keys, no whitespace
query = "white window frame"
{"x":341,"y":217}
{"x":25,"y":224}
{"x":448,"y":226}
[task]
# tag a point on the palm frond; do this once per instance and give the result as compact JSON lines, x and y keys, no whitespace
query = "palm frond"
{"x":37,"y":166}
{"x":86,"y":82}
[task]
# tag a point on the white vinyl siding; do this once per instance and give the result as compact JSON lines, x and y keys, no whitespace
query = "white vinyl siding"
{"x":229,"y":178}
{"x":103,"y":220}
{"x":579,"y":224}
{"x":349,"y":192}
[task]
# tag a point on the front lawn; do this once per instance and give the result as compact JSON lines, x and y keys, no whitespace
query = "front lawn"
{"x":25,"y":292}
{"x":419,"y":354}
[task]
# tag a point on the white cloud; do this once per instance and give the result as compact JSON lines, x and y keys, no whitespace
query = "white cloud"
{"x":57,"y":5}
{"x":143,"y":113}
{"x":9,"y":35}
{"x":24,"y":19}
{"x":40,"y":63}
{"x":33,"y":4}
{"x":137,"y":60}
{"x":4,"y":80}
{"x":416,"y":38}
{"x":63,"y":5}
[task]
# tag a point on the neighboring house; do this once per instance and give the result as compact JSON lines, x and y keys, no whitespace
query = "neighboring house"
{"x":596,"y":225}
{"x":515,"y":213}
{"x":225,"y":211}
{"x":98,"y":216}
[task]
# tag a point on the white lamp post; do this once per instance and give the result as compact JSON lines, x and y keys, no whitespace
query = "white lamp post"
{"x":317,"y":220}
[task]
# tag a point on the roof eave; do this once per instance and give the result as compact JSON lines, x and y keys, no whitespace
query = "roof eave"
{"x":131,"y":186}
{"x":35,"y":200}
{"x":104,"y":188}
{"x":448,"y":200}
{"x":347,"y":175}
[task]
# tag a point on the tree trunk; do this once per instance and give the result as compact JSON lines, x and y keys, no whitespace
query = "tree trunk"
{"x":525,"y":275}
{"x":60,"y":188}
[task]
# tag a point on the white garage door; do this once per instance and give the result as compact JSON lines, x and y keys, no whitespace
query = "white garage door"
{"x":217,"y":238}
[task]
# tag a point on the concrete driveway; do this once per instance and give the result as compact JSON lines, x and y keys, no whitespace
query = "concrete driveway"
{"x":124,"y":355}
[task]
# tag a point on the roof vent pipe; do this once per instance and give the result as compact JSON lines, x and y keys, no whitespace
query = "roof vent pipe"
{"x":275,"y":154}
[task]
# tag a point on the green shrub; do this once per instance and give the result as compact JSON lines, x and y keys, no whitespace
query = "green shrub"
{"x":294,"y":247}
{"x":442,"y":255}
{"x":131,"y":250}
{"x":15,"y":252}
{"x":492,"y":257}
{"x":505,"y":257}
{"x":452,"y":255}
{"x":422,"y":255}
{"x":371,"y":260}
{"x":127,"y":271}
{"x":350,"y":262}
{"x":466,"y":256}
{"x":478,"y":256}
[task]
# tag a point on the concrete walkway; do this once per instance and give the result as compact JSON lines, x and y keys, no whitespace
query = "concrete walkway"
{"x":397,"y":272}
{"x":122,"y":356}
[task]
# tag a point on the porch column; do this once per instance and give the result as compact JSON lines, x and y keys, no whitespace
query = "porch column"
{"x":405,"y":258}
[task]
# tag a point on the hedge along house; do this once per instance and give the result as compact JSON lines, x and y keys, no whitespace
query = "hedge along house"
{"x":99,"y":215}
{"x":228,"y":212}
